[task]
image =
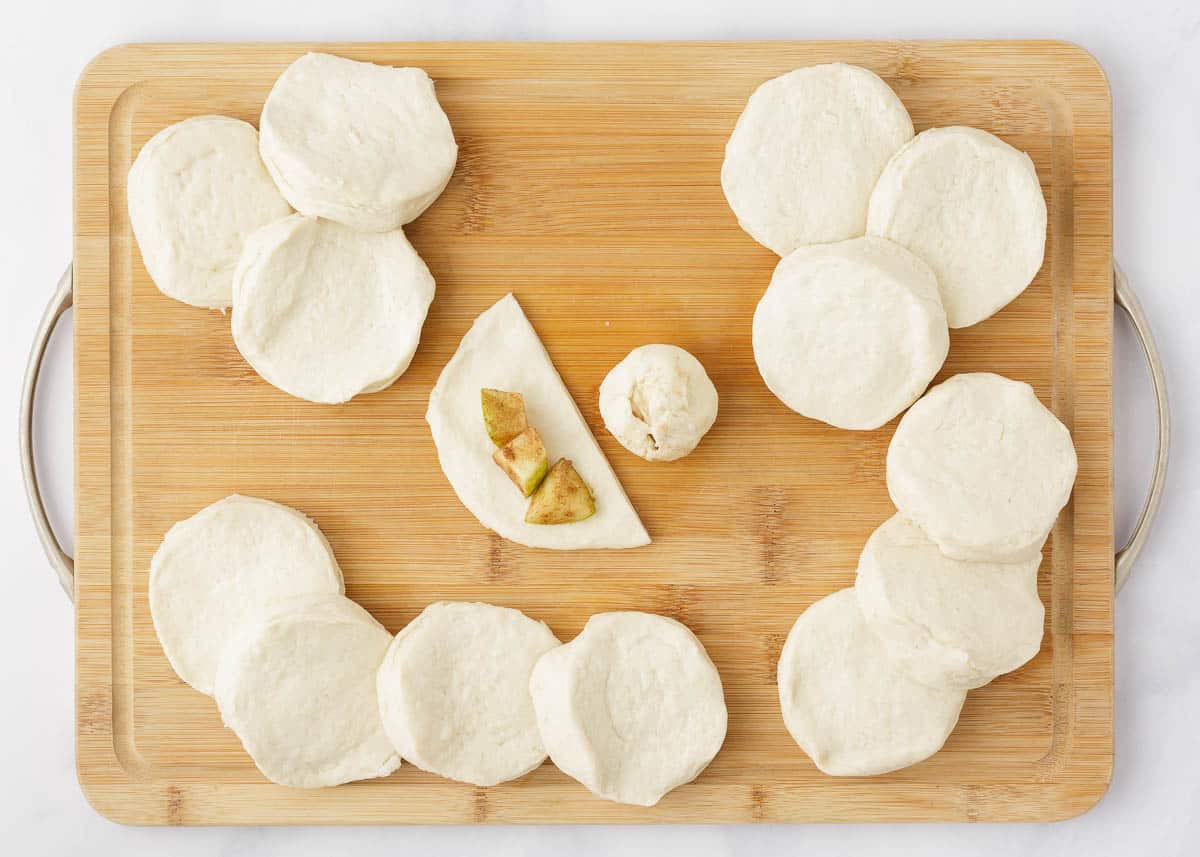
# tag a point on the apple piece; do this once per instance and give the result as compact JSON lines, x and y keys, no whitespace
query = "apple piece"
{"x":503,"y":414}
{"x":563,"y":498}
{"x":524,"y":459}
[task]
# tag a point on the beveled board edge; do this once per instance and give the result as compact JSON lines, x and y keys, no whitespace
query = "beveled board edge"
{"x":1072,"y":778}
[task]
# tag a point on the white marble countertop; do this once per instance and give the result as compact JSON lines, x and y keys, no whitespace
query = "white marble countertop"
{"x":1151,"y":51}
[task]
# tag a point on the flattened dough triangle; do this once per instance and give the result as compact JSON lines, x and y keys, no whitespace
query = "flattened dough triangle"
{"x":502,"y":351}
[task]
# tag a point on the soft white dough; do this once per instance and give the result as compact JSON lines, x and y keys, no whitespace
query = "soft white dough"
{"x":325,"y":312}
{"x":805,"y":154}
{"x":298,"y":688}
{"x":454,"y":692}
{"x":197,"y":189}
{"x":215,"y":571}
{"x":502,"y":351}
{"x":947,"y":622}
{"x":658,"y":402}
{"x":848,"y":706}
{"x":365,"y":145}
{"x":971,"y":206}
{"x":631,"y":708}
{"x":850,"y":333}
{"x":982,"y":467}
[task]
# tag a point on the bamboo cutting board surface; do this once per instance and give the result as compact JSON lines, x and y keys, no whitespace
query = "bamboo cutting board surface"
{"x":588,"y":184}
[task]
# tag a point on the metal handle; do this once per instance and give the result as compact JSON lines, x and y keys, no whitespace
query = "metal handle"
{"x":60,"y":561}
{"x":1126,"y":299}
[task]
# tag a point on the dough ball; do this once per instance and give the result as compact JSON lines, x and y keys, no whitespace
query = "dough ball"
{"x":947,"y":622}
{"x":982,"y":467}
{"x":971,"y":206}
{"x":850,"y":333}
{"x":298,"y":688}
{"x":848,"y":706}
{"x":325,"y":312}
{"x":454,"y":692}
{"x":196,"y":191}
{"x":217,"y":570}
{"x":631,"y":708}
{"x":658,"y":402}
{"x":805,"y":154}
{"x":365,"y":145}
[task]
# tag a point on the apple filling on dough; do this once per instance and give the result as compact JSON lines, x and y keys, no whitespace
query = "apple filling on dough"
{"x":524,"y":459}
{"x":563,"y":497}
{"x":560,"y":496}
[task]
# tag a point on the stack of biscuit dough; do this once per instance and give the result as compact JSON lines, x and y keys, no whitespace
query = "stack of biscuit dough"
{"x":298,"y":225}
{"x":249,"y":605}
{"x":872,"y":678}
{"x":889,"y":239}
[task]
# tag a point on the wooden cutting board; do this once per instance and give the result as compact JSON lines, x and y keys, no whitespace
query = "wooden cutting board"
{"x":588,"y":184}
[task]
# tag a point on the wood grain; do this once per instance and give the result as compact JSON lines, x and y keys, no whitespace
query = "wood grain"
{"x":588,"y":184}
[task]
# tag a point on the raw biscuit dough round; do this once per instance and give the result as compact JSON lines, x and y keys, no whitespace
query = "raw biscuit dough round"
{"x":215,"y":571}
{"x":853,"y":711}
{"x":325,"y":312}
{"x":196,"y":191}
{"x":850,"y":333}
{"x":298,"y":688}
{"x":805,"y":154}
{"x":971,"y":206}
{"x":982,"y":467}
{"x":365,"y":145}
{"x":454,"y":692}
{"x":947,"y":622}
{"x":631,"y":708}
{"x":658,"y":402}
